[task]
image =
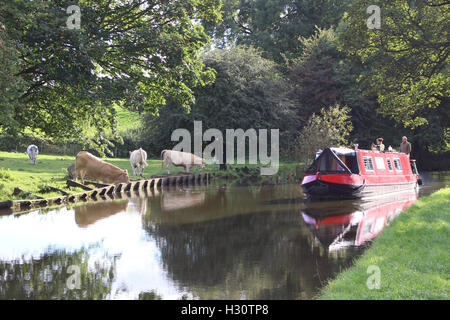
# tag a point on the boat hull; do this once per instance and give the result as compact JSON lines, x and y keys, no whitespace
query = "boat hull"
{"x":319,"y":189}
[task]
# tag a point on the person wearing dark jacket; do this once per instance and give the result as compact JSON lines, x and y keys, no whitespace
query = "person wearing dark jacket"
{"x":405,"y":146}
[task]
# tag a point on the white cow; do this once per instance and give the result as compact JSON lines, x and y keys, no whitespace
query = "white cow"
{"x":138,"y":160}
{"x":180,"y":159}
{"x":32,"y":152}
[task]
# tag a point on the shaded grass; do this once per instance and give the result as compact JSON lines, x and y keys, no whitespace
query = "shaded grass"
{"x":412,"y":254}
{"x":51,"y":170}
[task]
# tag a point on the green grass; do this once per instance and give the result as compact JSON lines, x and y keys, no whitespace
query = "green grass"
{"x":127,"y":119}
{"x":412,"y":255}
{"x":16,"y":171}
{"x":51,"y":170}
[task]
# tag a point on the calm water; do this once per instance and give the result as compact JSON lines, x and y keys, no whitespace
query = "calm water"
{"x":215,"y":242}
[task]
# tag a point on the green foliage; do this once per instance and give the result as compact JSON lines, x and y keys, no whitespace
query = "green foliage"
{"x":323,"y":76}
{"x":124,"y":52}
{"x":408,"y":57}
{"x":10,"y":86}
{"x":329,"y":128}
{"x":274,"y":25}
{"x":248,"y":92}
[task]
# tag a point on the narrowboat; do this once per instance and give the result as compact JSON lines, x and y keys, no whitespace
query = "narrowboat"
{"x":355,"y":173}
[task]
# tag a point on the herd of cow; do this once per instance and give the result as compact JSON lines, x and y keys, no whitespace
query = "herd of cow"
{"x":89,"y":165}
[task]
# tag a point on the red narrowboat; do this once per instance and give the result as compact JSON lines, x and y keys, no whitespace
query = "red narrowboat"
{"x":349,"y":174}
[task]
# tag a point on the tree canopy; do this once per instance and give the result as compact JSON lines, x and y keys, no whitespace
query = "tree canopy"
{"x":132,"y":52}
{"x":274,"y":26}
{"x":248,"y":92}
{"x":408,"y":56}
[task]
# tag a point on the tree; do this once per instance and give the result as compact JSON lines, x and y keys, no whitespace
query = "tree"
{"x":131,"y":52}
{"x":10,"y":86}
{"x":248,"y":92}
{"x":408,"y":57}
{"x":323,"y":76}
{"x":329,"y":128}
{"x":274,"y":25}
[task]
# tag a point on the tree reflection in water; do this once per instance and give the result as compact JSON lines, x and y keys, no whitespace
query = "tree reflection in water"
{"x":215,"y":242}
{"x":250,"y":246}
{"x":47,"y":277}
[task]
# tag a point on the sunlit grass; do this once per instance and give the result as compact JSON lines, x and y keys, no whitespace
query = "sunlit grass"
{"x":51,"y":170}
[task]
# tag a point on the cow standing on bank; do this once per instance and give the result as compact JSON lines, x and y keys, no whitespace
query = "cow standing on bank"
{"x":32,"y":152}
{"x":138,"y":160}
{"x":180,"y":159}
{"x":90,"y":165}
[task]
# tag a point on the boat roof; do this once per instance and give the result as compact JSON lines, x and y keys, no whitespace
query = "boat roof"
{"x":386,"y":152}
{"x":345,"y":150}
{"x":342,"y":150}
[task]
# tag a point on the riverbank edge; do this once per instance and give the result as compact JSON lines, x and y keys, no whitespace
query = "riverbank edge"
{"x":51,"y":171}
{"x":409,"y":258}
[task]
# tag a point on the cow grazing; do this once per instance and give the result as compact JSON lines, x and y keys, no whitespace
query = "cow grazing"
{"x":88,"y":164}
{"x":32,"y":152}
{"x":180,"y":159}
{"x":138,"y":160}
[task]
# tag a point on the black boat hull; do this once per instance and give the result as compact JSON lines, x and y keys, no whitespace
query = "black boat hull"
{"x":326,"y":190}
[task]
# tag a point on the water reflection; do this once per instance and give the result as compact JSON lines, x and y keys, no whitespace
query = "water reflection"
{"x":337,"y":225}
{"x":90,"y":213}
{"x":240,"y":243}
{"x":215,"y":242}
{"x":48,"y":277}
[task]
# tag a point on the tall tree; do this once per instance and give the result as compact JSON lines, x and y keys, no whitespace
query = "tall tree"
{"x":10,"y":85}
{"x":248,"y":92}
{"x":323,"y":76}
{"x":134,"y":52}
{"x":408,"y":56}
{"x":274,"y":25}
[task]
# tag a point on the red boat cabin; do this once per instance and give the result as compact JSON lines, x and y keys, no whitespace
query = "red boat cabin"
{"x":348,"y":173}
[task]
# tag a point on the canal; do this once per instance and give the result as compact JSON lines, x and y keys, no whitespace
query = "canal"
{"x":205,"y":242}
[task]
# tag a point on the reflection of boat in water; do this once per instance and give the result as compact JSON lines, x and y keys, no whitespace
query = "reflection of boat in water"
{"x":342,"y":224}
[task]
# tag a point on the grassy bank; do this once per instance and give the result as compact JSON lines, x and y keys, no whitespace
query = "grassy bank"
{"x":51,"y":170}
{"x":412,"y":255}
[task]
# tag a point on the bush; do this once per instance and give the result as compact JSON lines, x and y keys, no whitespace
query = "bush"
{"x":330,"y":128}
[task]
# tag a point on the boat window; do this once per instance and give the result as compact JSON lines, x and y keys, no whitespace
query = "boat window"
{"x":379,"y":161}
{"x":368,"y":164}
{"x":327,"y":162}
{"x":397,"y":164}
{"x":389,"y":164}
{"x":350,"y":161}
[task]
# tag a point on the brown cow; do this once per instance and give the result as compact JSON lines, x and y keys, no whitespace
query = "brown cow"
{"x":88,"y":164}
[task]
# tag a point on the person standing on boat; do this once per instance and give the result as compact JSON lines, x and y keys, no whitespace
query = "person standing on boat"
{"x":405,"y":146}
{"x":380,"y":145}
